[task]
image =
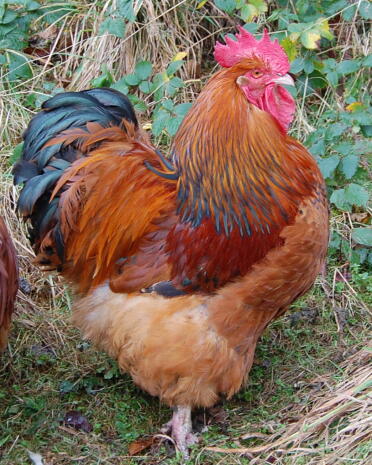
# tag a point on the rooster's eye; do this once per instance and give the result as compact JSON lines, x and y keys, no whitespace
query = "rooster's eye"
{"x":256,"y":74}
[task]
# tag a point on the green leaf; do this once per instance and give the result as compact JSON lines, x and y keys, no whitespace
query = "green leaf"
{"x":338,"y":198}
{"x":168,"y":105}
{"x":356,"y":195}
{"x":174,"y":66}
{"x":132,"y":79}
{"x":289,"y":48}
{"x":140,"y":107}
{"x":260,"y":5}
{"x":362,"y":236}
{"x":366,"y":130}
{"x":19,"y":67}
{"x":349,"y":165}
{"x":172,"y":125}
{"x":32,"y":6}
{"x":121,"y":86}
{"x":126,"y":10}
{"x":367,"y":61}
{"x":328,"y":165}
{"x":228,"y":6}
{"x":182,"y":108}
{"x":146,"y":87}
{"x":365,"y":10}
{"x":335,"y":130}
{"x":173,"y":85}
{"x":160,"y":120}
{"x":332,"y":77}
{"x":347,"y":67}
{"x":9,"y":16}
{"x":349,"y":13}
{"x":143,"y":70}
{"x":114,"y":26}
{"x":318,"y":148}
{"x":297,"y":65}
{"x":248,"y":12}
{"x":345,"y":148}
{"x":309,"y":39}
{"x":16,"y":154}
{"x":105,"y":80}
{"x":308,"y":66}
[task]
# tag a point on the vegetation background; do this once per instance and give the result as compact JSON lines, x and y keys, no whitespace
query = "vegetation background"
{"x":308,"y":396}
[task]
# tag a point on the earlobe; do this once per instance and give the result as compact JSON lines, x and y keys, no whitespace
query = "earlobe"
{"x":242,"y":81}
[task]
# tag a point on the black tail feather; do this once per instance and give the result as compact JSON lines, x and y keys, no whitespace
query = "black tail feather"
{"x":40,"y":167}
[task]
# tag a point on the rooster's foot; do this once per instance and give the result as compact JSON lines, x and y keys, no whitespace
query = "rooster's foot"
{"x":180,"y":429}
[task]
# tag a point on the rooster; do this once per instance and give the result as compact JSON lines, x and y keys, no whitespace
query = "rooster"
{"x":8,"y":282}
{"x":178,"y":264}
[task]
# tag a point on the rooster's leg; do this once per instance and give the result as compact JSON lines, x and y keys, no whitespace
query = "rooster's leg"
{"x":180,"y":428}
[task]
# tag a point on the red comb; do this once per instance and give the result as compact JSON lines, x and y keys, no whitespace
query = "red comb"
{"x":247,"y":46}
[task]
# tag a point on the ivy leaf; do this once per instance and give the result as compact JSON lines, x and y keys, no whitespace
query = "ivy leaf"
{"x":143,"y":70}
{"x":310,"y":39}
{"x":362,"y":236}
{"x":347,"y":67}
{"x":349,"y":165}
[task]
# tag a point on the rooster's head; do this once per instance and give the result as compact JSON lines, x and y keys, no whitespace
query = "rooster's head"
{"x":260,"y":69}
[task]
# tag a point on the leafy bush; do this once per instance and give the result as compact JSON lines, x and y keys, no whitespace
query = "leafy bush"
{"x":16,"y":18}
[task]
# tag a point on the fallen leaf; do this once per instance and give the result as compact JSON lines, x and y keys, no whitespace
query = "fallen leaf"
{"x":179,"y":56}
{"x":140,"y":445}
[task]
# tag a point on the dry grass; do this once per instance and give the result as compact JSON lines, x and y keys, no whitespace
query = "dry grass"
{"x":335,"y":424}
{"x":329,"y":423}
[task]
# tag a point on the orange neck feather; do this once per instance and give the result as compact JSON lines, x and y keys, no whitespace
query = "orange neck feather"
{"x":236,"y":165}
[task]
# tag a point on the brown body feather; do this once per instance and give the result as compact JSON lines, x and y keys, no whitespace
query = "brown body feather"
{"x":8,"y":282}
{"x":243,"y":231}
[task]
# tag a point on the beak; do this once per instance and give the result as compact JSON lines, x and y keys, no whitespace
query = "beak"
{"x":284,"y":80}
